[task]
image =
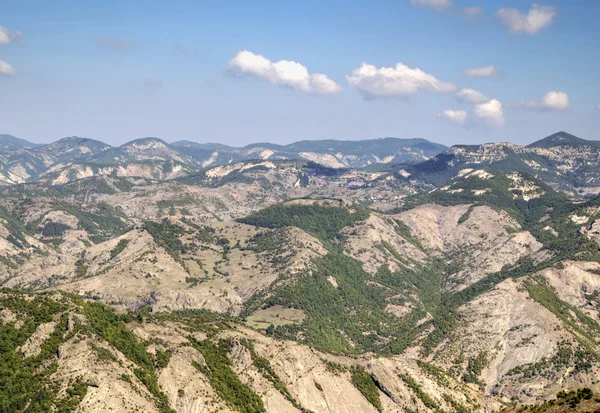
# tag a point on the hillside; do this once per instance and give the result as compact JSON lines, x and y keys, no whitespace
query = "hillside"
{"x":12,"y":142}
{"x":562,"y":160}
{"x":286,"y":285}
{"x":96,"y":359}
{"x":417,"y":285}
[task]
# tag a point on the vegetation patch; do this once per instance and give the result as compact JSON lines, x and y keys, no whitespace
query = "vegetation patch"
{"x":167,"y":235}
{"x":363,"y":381}
{"x":54,"y":229}
{"x":348,"y":319}
{"x":218,"y":370}
{"x":111,"y":327}
{"x":119,"y":248}
{"x":580,"y":400}
{"x":263,"y":365}
{"x":419,"y":392}
{"x":23,"y":380}
{"x":324,"y":222}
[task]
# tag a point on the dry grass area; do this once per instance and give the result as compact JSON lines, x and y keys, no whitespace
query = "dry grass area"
{"x":276,"y":315}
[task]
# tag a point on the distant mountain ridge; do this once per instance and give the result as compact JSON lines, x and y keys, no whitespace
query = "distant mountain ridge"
{"x":75,"y":158}
{"x":12,"y":142}
{"x":562,"y":160}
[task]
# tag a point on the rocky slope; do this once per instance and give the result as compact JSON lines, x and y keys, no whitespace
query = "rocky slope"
{"x":245,"y":287}
{"x":563,"y":160}
{"x":95,"y":360}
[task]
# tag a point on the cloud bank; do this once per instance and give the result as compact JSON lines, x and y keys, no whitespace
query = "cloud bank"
{"x":471,"y":96}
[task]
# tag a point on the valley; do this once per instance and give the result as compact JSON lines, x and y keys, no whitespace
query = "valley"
{"x":403,"y":278}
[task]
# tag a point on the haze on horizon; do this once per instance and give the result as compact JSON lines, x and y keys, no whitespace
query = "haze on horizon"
{"x":450,"y":71}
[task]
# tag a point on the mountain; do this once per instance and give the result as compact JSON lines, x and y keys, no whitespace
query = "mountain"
{"x":281,"y":283}
{"x":332,"y":153}
{"x":562,"y":160}
{"x":562,"y":139}
{"x":202,"y":146}
{"x":76,"y":158}
{"x":12,"y":142}
{"x":28,"y":164}
{"x":72,"y":148}
{"x":134,"y":279}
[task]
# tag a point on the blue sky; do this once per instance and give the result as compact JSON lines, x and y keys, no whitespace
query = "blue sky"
{"x":121,"y":70}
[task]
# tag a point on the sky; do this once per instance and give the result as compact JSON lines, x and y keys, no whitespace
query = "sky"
{"x":239,"y":72}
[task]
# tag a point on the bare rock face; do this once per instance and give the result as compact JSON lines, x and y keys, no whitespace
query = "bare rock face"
{"x":33,"y":345}
{"x":479,"y":240}
{"x":249,"y":374}
{"x":189,"y":391}
{"x":7,"y":316}
{"x":576,"y":282}
{"x":377,"y":241}
{"x":593,"y":230}
{"x":438,"y":227}
{"x":112,"y":386}
{"x":506,"y":330}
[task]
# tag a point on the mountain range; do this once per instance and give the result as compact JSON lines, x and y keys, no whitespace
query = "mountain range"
{"x":566,"y":162}
{"x":465,"y":282}
{"x":75,"y":158}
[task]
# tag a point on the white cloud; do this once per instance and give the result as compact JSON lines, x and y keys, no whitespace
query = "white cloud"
{"x":555,"y":101}
{"x":4,"y":37}
{"x":473,"y":11}
{"x":456,"y":116}
{"x":438,"y":5}
{"x":114,"y":44}
{"x":7,"y":36}
{"x":487,"y":71}
{"x":552,"y":100}
{"x":536,"y":19}
{"x":282,"y":73}
{"x":392,"y":82}
{"x":6,"y":69}
{"x":491,"y":112}
{"x":471,"y":96}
